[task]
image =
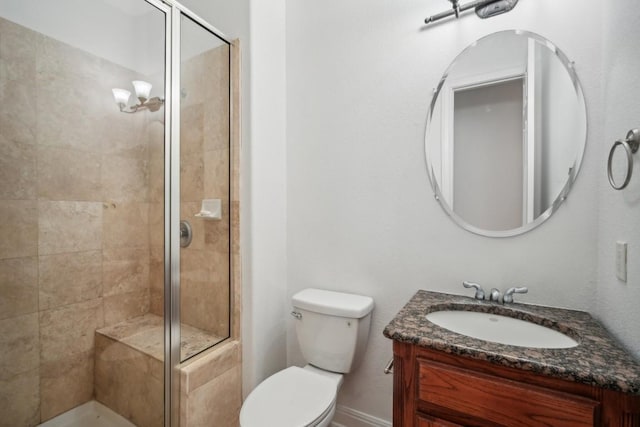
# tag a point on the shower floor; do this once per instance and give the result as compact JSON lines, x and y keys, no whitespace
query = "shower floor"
{"x":146,"y":334}
{"x":89,"y":414}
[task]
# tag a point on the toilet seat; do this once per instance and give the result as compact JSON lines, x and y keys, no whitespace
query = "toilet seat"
{"x":293,"y":397}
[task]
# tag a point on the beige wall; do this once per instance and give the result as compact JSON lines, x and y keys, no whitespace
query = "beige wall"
{"x":75,"y":208}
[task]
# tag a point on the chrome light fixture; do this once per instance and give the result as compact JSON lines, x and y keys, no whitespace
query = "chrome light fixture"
{"x":143,"y":91}
{"x":484,"y":9}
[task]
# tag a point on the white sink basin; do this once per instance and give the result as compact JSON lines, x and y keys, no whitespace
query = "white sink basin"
{"x":500,"y":329}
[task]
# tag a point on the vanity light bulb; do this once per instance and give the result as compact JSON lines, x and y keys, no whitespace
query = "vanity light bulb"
{"x":121,"y":96}
{"x":143,"y":89}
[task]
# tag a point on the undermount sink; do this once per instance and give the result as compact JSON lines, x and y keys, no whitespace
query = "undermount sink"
{"x":500,"y":329}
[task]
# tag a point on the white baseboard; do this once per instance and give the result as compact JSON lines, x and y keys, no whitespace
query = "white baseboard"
{"x":347,"y":417}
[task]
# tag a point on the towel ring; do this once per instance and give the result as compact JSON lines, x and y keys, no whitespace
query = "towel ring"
{"x":630,"y":145}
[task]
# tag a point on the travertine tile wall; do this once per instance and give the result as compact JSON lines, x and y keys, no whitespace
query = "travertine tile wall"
{"x":205,"y":170}
{"x":76,"y":204}
{"x":210,"y":388}
{"x":156,"y":217}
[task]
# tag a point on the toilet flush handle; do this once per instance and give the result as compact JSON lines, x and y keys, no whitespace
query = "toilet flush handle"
{"x":296,"y":315}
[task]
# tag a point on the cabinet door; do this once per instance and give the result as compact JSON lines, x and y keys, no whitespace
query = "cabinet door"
{"x":427,"y":421}
{"x":500,"y":401}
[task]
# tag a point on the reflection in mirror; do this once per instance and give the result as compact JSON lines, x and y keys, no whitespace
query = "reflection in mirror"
{"x":505,"y":134}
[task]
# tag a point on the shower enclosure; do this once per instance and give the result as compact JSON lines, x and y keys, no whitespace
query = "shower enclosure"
{"x":118,"y":208}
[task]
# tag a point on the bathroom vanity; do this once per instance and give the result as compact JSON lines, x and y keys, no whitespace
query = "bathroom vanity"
{"x":446,"y":379}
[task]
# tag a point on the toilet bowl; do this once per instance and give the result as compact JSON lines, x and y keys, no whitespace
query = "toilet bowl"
{"x":301,"y":397}
{"x":332,"y":329}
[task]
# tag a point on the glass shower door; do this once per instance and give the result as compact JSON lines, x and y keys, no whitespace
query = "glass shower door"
{"x":204,"y":188}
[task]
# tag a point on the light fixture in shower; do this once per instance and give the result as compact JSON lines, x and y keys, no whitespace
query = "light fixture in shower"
{"x":143,"y":91}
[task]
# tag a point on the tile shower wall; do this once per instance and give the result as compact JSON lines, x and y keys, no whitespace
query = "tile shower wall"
{"x":75,"y":203}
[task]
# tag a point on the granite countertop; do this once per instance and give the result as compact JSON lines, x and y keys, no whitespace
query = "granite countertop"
{"x":598,"y":360}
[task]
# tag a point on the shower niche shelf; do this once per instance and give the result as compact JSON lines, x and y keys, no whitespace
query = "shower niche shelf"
{"x":211,"y":209}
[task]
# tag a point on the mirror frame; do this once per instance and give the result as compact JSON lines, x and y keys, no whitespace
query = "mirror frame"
{"x":575,"y":168}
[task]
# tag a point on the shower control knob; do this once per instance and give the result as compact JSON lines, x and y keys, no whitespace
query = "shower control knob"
{"x":186,"y":234}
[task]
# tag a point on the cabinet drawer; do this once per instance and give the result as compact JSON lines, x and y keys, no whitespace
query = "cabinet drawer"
{"x":501,"y":401}
{"x":425,"y":421}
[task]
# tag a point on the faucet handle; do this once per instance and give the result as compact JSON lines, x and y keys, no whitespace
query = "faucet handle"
{"x":508,"y":295}
{"x":479,"y":291}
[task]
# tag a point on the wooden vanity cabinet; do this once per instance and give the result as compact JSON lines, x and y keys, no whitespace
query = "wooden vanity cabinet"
{"x":426,"y":421}
{"x":436,"y":389}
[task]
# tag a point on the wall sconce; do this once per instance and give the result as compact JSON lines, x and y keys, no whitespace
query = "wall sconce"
{"x":143,"y":90}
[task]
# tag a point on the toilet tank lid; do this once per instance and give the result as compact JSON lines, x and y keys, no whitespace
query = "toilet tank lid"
{"x":333,"y":303}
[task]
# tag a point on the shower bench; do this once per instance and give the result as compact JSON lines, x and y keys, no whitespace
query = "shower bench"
{"x":129,"y":366}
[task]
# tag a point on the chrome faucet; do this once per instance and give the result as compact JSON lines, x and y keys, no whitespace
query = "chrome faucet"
{"x":495,"y":295}
{"x":479,"y":291}
{"x":508,"y":296}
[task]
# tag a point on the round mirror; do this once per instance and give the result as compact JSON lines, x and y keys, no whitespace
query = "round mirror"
{"x":505,"y":134}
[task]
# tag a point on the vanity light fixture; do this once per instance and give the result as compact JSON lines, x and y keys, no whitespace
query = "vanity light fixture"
{"x":143,"y":91}
{"x":484,"y":9}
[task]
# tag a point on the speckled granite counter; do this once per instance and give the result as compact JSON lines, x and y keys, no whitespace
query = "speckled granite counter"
{"x":598,"y":359}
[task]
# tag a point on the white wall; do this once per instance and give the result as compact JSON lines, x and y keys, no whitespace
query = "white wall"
{"x":127,"y":32}
{"x":361,"y":215}
{"x":260,"y":26}
{"x":268,"y":276}
{"x":620,"y":210}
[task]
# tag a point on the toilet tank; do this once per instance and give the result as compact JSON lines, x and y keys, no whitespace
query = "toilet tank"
{"x":332,"y":328}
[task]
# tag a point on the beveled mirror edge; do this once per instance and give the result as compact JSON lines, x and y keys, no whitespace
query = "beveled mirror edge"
{"x":574,"y":170}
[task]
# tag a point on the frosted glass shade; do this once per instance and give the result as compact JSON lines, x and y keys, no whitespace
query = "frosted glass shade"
{"x":143,"y":89}
{"x":121,"y":96}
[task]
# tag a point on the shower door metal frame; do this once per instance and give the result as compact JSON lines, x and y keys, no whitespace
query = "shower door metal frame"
{"x":172,"y":281}
{"x":173,"y":11}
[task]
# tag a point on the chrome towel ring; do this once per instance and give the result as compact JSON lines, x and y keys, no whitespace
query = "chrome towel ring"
{"x":630,"y":145}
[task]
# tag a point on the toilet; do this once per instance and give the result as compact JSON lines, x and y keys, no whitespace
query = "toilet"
{"x":332,"y":330}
